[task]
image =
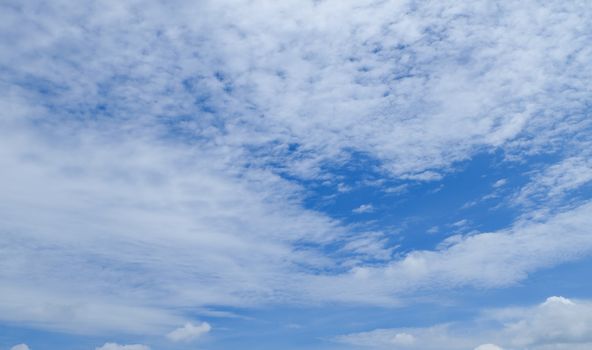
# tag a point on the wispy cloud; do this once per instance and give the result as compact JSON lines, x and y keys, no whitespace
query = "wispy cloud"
{"x":500,"y":183}
{"x":364,"y":208}
{"x":484,"y":260}
{"x":189,"y":332}
{"x":555,"y":181}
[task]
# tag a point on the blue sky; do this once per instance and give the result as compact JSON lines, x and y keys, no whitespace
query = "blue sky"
{"x":194,"y":175}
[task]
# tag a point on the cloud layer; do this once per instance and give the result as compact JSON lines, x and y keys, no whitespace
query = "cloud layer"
{"x":417,"y":86}
{"x":157,"y":158}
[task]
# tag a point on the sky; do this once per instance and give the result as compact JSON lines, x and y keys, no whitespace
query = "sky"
{"x":323,"y":175}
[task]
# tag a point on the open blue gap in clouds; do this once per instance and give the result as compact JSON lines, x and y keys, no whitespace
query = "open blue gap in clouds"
{"x":299,"y":175}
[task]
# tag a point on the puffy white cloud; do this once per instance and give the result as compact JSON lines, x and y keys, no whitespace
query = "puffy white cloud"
{"x":115,"y":346}
{"x":558,"y":323}
{"x":189,"y":332}
{"x":555,"y":322}
{"x":20,"y":347}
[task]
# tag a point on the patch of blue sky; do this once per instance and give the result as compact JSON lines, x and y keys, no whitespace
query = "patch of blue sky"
{"x":419,"y":214}
{"x":37,"y":338}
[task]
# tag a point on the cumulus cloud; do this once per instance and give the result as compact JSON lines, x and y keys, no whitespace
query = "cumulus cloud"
{"x":189,"y":332}
{"x":115,"y":346}
{"x":558,"y":323}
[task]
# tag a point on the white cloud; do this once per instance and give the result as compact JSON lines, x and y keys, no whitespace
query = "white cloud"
{"x":437,"y":337}
{"x":69,"y":311}
{"x":364,"y":208}
{"x":558,"y":323}
{"x":115,"y":346}
{"x":554,"y":182}
{"x":343,"y":188}
{"x":384,"y":85}
{"x":369,"y":245}
{"x":185,"y":228}
{"x":433,"y":230}
{"x":20,"y":347}
{"x":167,"y":226}
{"x":493,"y":259}
{"x":140,"y":156}
{"x":460,"y":223}
{"x":397,"y":189}
{"x":167,"y":217}
{"x":500,"y":183}
{"x":488,"y":347}
{"x":189,"y":332}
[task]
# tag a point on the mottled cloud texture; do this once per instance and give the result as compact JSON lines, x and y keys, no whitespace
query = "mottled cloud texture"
{"x":160,"y":158}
